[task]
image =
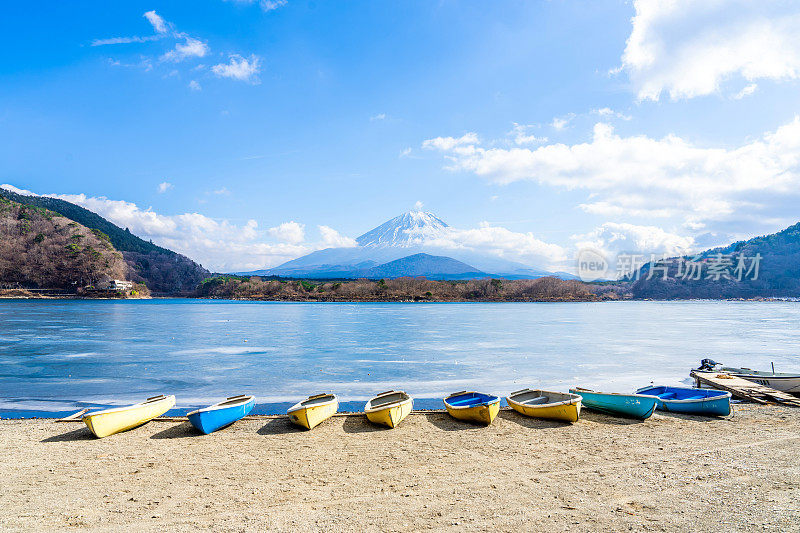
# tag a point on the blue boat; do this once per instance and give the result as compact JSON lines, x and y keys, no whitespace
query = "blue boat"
{"x":639,"y":406}
{"x":219,"y":415}
{"x":705,"y":402}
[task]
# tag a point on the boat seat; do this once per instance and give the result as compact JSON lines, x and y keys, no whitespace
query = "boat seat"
{"x":667,"y":396}
{"x":537,"y":400}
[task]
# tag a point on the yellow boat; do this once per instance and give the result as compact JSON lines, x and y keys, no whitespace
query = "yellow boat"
{"x":472,"y":406}
{"x":110,"y":421}
{"x":389,"y":408}
{"x":313,"y":411}
{"x":546,"y":404}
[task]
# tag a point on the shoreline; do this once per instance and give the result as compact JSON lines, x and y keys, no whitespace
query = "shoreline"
{"x":669,"y":473}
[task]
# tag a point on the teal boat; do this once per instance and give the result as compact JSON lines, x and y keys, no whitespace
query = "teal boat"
{"x":639,"y":406}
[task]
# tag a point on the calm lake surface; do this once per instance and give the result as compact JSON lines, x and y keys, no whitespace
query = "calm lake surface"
{"x":59,"y":355}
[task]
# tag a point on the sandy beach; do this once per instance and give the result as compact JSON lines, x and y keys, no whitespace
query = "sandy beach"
{"x":670,"y":473}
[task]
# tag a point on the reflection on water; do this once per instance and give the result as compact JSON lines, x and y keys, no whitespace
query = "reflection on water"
{"x":59,"y":354}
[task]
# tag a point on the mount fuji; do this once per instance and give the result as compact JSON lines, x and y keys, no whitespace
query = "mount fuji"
{"x":415,"y":243}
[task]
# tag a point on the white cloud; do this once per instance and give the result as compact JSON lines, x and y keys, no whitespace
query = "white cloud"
{"x":501,"y":242}
{"x":560,"y":123}
{"x":689,"y":48}
{"x":746,"y":91}
{"x":164,"y":186}
{"x":379,"y":116}
{"x":333,"y":239}
{"x":126,"y":40}
{"x":17,"y":190}
{"x":607,"y":112}
{"x":189,"y":48}
{"x":223,"y":191}
{"x":406,"y":152}
{"x":272,"y":5}
{"x":194,"y":85}
{"x":418,"y":205}
{"x":521,"y":135}
{"x":451,"y":143}
{"x":752,"y":187}
{"x":158,"y":23}
{"x":239,"y":68}
{"x":266,"y":5}
{"x":291,"y":232}
{"x":613,"y":238}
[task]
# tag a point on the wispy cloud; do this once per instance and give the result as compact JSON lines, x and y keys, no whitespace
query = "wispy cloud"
{"x":266,"y":5}
{"x":189,"y":48}
{"x":560,"y":123}
{"x":164,"y":186}
{"x":379,"y":116}
{"x":239,"y":68}
{"x":126,"y":40}
{"x":158,"y":23}
{"x":194,"y":85}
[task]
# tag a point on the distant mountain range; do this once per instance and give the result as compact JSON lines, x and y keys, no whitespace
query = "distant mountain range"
{"x":162,"y":270}
{"x":404,"y":246}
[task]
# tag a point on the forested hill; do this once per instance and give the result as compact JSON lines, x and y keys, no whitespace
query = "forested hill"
{"x":40,"y":249}
{"x":762,"y":267}
{"x":162,"y":270}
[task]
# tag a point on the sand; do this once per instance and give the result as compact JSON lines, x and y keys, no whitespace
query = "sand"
{"x":669,"y":473}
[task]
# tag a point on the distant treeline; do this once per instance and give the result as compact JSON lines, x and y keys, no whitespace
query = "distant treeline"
{"x":399,"y":289}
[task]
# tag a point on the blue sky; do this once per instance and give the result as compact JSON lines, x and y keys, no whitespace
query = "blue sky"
{"x":248,"y":133}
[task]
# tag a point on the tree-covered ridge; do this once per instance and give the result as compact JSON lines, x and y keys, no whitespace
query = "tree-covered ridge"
{"x":122,"y":239}
{"x":773,"y":263}
{"x":162,"y":270}
{"x":41,"y":249}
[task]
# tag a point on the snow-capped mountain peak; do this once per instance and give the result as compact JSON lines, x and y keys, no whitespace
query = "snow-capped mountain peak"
{"x":411,"y":228}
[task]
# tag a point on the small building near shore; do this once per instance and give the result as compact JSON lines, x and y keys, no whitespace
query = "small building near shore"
{"x":116,"y":285}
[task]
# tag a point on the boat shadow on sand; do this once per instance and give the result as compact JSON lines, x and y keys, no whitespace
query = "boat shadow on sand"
{"x":445,"y":422}
{"x":360,"y":424}
{"x":177,"y":431}
{"x":529,"y":421}
{"x":71,"y":436}
{"x":279,"y":426}
{"x":611,"y":420}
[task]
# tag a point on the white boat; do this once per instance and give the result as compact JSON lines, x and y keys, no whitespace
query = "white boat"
{"x":782,"y":381}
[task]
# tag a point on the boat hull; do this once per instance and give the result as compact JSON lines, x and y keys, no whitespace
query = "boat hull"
{"x":482,"y":410}
{"x":311,"y":416}
{"x":392,"y":415}
{"x":790,"y":384}
{"x":702,"y":402}
{"x":111,"y":421}
{"x":209,"y":420}
{"x":565,"y":408}
{"x":637,"y":406}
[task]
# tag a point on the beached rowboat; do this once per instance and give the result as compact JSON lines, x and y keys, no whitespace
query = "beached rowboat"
{"x":109,"y":421}
{"x":546,"y":404}
{"x":219,"y":415}
{"x":472,"y":406}
{"x":313,"y":411}
{"x":628,"y":405}
{"x":704,"y":402}
{"x":782,"y":381}
{"x":389,"y":408}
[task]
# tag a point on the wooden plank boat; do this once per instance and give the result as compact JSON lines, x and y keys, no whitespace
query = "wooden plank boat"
{"x":389,"y":408}
{"x":638,"y":406}
{"x":781,"y":381}
{"x":219,"y":415}
{"x":546,"y":404}
{"x":109,"y":421}
{"x":704,"y":402}
{"x":313,"y":411}
{"x":472,"y":406}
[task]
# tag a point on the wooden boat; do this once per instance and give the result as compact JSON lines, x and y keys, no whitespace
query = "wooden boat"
{"x":219,"y":415}
{"x":638,"y":406}
{"x":546,"y":404}
{"x":472,"y":406}
{"x":389,"y":408}
{"x":109,"y":421}
{"x":705,"y":402}
{"x":313,"y":411}
{"x":782,"y":381}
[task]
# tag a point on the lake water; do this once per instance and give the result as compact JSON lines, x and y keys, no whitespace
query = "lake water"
{"x":59,"y":355}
